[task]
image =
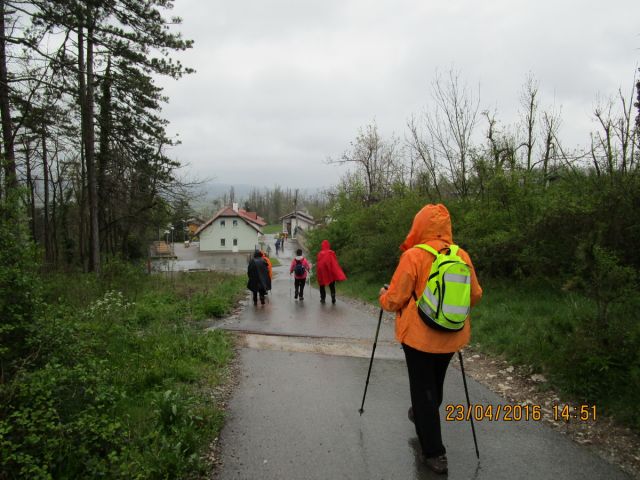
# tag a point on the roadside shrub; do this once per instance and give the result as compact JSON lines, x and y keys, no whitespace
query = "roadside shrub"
{"x":92,"y":401}
{"x":20,"y":292}
{"x":122,"y":275}
{"x":215,"y":307}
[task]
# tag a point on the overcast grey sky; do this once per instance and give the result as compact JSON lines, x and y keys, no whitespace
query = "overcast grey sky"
{"x":282,"y":85}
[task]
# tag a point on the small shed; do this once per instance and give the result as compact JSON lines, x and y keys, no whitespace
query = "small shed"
{"x":297,"y":221}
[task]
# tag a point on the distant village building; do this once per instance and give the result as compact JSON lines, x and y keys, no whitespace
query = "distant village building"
{"x":231,"y":229}
{"x":293,"y":222}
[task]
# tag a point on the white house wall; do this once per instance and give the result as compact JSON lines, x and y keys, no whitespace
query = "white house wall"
{"x":210,"y":237}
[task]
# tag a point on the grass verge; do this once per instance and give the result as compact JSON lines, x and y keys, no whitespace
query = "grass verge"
{"x":121,"y":379}
{"x":272,"y":228}
{"x":555,"y":332}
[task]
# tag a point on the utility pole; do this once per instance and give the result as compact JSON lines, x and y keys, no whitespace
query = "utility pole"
{"x":295,"y":213}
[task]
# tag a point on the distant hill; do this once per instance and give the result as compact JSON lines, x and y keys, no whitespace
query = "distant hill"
{"x":210,"y":191}
{"x":213,"y":190}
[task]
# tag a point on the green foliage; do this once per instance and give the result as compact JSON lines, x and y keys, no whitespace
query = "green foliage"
{"x":539,"y":324}
{"x":557,"y":257}
{"x":214,"y":306}
{"x":367,"y":238}
{"x":272,"y":228}
{"x":118,"y":382}
{"x":603,"y":278}
{"x":19,"y":295}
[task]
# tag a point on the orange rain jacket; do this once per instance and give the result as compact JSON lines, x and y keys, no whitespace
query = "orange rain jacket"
{"x":431,"y":225}
{"x":268,"y":260}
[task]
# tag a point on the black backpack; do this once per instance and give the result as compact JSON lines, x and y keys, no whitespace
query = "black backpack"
{"x":299,"y":268}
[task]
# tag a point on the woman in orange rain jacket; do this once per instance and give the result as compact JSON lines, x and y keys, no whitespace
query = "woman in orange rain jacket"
{"x":427,"y":351}
{"x":266,"y":258}
{"x":328,"y":271}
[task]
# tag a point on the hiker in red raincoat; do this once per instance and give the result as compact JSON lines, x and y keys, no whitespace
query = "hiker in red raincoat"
{"x":328,"y":271}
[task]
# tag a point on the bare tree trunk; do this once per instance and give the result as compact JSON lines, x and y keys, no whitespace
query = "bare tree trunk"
{"x":60,"y":222}
{"x":45,"y":220}
{"x":88,"y":133}
{"x":31,"y":190}
{"x":55,"y":241}
{"x":530,"y":104}
{"x":91,"y":164}
{"x":103,"y":156}
{"x":11,"y":180}
{"x":421,"y":148}
{"x":82,"y":95}
{"x":548,"y":145}
{"x":450,"y":128}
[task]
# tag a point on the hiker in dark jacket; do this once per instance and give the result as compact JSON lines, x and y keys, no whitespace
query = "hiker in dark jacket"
{"x":299,"y":268}
{"x":259,"y":281}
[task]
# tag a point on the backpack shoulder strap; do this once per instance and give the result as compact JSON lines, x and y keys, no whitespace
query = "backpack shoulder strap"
{"x":428,"y":248}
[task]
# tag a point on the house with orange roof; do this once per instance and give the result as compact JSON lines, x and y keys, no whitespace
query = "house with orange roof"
{"x":231,"y":229}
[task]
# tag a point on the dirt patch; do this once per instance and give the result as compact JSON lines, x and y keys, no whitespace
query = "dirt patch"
{"x":611,"y":441}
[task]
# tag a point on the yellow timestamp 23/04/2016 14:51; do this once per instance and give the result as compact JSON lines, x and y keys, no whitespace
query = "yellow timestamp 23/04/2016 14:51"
{"x":518,"y":412}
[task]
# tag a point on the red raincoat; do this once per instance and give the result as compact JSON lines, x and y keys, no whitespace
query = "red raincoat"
{"x":327,"y":268}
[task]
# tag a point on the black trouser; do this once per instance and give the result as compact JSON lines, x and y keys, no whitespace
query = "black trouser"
{"x":255,"y":296}
{"x":299,"y":287}
{"x":323,"y":292}
{"x":426,"y":380}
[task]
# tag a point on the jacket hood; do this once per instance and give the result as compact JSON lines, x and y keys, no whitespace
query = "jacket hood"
{"x":325,"y":245}
{"x":299,"y":257}
{"x":431,"y":223}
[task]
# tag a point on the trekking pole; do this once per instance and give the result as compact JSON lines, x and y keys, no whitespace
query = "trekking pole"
{"x":375,"y":342}
{"x":466,"y":392}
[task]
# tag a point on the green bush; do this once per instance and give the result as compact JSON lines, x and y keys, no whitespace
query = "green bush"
{"x":20,"y":292}
{"x":557,"y":257}
{"x":117,"y":387}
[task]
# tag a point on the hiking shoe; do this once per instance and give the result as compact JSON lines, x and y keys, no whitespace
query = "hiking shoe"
{"x":301,"y":298}
{"x":295,"y":296}
{"x":437,"y":464}
{"x":410,"y":415}
{"x":333,"y":300}
{"x":322,"y":300}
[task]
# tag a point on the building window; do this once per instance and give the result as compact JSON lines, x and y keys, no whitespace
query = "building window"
{"x":222,"y":223}
{"x":223,"y":242}
{"x":235,"y":223}
{"x":235,"y":242}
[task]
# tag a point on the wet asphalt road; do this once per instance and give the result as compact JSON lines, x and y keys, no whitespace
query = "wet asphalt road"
{"x":294,"y":414}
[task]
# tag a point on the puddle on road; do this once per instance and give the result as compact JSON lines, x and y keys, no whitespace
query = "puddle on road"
{"x":345,"y":347}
